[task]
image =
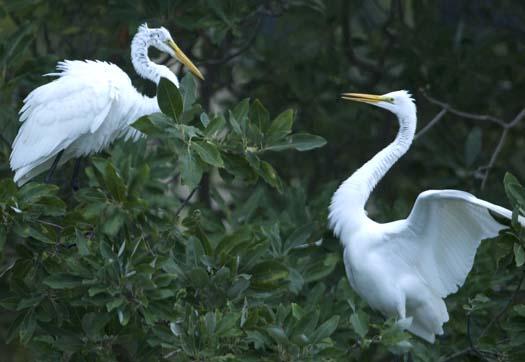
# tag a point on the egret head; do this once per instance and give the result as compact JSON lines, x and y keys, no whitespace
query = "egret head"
{"x":161,"y":39}
{"x":399,"y":102}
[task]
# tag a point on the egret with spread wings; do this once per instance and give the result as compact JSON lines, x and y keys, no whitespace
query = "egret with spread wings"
{"x":88,"y":106}
{"x":407,"y":267}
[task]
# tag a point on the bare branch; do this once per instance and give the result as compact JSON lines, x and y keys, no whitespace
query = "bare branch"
{"x":247,"y":45}
{"x":445,"y":107}
{"x":507,"y":306}
{"x":468,"y":115}
{"x":494,"y":156}
{"x":431,"y":124}
{"x":347,"y":41}
{"x":186,"y":200}
{"x":473,"y":348}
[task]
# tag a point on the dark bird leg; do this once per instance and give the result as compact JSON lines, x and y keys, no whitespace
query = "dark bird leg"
{"x":76,"y":174}
{"x":53,"y":167}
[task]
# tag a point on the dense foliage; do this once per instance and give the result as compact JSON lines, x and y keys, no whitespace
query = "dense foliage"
{"x":207,"y":240}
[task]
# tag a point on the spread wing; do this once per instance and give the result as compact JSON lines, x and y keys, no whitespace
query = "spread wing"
{"x":442,"y":233}
{"x":55,"y":114}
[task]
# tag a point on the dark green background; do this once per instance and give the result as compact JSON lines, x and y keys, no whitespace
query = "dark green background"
{"x":298,"y":54}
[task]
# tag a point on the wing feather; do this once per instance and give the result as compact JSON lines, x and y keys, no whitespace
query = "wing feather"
{"x":442,"y":233}
{"x":57,"y":113}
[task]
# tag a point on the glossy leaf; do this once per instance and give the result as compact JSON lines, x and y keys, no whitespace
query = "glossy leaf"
{"x":169,"y":98}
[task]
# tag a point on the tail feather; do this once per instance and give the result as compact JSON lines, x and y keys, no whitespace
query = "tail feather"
{"x":428,"y":319}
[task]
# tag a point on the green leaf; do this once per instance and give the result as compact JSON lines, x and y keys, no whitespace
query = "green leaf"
{"x":93,"y":323}
{"x":472,"y":146}
{"x":169,"y":99}
{"x":325,"y":330}
{"x":235,"y":125}
{"x":227,"y":326}
{"x":278,"y":335}
{"x":281,"y":127}
{"x":359,"y":322}
{"x":205,"y":120}
{"x":240,"y":111}
{"x":208,"y":152}
{"x":299,"y":142}
{"x":27,"y":327}
{"x":258,"y":339}
{"x":268,"y":274}
{"x":189,"y":91}
{"x":297,"y":311}
{"x":29,"y":302}
{"x":520,"y":309}
{"x":146,"y":125}
{"x":114,"y":183}
{"x":82,"y":243}
{"x":32,"y":192}
{"x":321,"y":268}
{"x":62,"y":281}
{"x":115,"y":303}
{"x":190,"y":169}
{"x":514,"y":190}
{"x":519,"y":255}
{"x":215,"y":127}
{"x":3,"y":237}
{"x":238,"y":287}
{"x":14,"y":328}
{"x":299,"y":237}
{"x":123,"y":316}
{"x":259,"y":115}
{"x":198,"y":277}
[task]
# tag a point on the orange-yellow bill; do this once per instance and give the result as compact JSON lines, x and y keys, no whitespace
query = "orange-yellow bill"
{"x":362,"y":97}
{"x":185,"y":60}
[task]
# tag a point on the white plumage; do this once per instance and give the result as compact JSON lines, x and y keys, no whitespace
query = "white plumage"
{"x":405,"y":268}
{"x":88,"y":106}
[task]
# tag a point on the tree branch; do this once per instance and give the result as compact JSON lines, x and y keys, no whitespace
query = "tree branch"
{"x":431,"y":124}
{"x":507,"y":306}
{"x":445,"y":107}
{"x":247,"y":45}
{"x":186,"y":200}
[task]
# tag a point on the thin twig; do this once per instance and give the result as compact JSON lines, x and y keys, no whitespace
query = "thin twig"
{"x":471,"y":343}
{"x":457,"y":112}
{"x":431,"y":124}
{"x":457,"y":354}
{"x":186,"y":200}
{"x":247,"y":45}
{"x":49,"y":223}
{"x":445,"y":107}
{"x":505,"y":308}
{"x":494,"y":156}
{"x":348,"y":44}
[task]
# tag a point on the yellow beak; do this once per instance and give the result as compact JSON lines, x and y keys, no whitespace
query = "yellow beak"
{"x":185,"y":60}
{"x":366,"y":98}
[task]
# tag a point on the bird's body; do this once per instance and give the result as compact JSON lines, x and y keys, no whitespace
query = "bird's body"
{"x":405,"y":268}
{"x":87,"y":107}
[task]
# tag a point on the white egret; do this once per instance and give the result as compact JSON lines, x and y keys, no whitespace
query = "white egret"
{"x":405,"y":268}
{"x":88,"y":106}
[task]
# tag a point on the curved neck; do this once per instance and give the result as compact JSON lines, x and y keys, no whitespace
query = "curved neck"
{"x":143,"y":65}
{"x":348,"y":202}
{"x":368,"y":176}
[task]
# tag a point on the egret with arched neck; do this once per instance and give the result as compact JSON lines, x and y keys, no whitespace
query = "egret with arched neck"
{"x":406,"y":268}
{"x":88,"y":106}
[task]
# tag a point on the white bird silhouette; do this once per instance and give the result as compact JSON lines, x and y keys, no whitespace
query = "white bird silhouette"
{"x":405,"y":268}
{"x":88,"y":106}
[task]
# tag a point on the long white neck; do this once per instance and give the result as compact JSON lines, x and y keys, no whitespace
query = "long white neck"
{"x":348,"y":202}
{"x":141,"y":62}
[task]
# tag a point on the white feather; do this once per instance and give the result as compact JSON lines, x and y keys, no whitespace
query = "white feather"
{"x":405,"y":268}
{"x":81,"y":112}
{"x":88,"y":106}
